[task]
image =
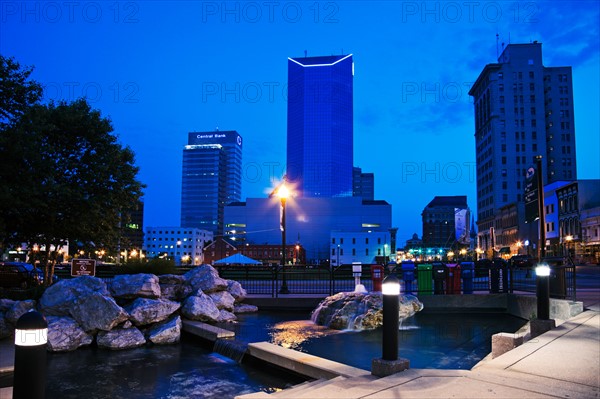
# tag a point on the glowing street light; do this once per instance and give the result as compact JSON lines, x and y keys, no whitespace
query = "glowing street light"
{"x":283,"y":193}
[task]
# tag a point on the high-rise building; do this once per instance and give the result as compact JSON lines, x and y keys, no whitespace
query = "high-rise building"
{"x":522,"y":109}
{"x":212,"y":178}
{"x":446,"y":222}
{"x":320,"y":125}
{"x":363,"y":184}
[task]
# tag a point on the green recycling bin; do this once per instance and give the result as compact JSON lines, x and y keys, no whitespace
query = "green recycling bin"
{"x":424,"y":279}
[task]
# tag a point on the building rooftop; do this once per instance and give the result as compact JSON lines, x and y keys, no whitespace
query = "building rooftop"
{"x":321,"y":60}
{"x":457,"y":201}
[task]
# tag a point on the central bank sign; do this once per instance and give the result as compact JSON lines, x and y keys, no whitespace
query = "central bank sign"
{"x":215,"y":138}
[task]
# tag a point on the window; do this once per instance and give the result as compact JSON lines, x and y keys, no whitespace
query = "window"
{"x":367,"y":251}
{"x":341,"y":240}
{"x":367,"y":241}
{"x":353,"y":251}
{"x":333,"y":240}
{"x":333,"y":251}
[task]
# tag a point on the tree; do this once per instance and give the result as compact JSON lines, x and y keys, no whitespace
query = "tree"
{"x":17,"y":91}
{"x":65,"y":178}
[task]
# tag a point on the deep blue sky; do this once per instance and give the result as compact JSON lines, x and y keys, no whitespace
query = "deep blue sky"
{"x":160,"y":70}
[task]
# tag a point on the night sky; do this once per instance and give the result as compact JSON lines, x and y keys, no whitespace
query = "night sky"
{"x":160,"y":70}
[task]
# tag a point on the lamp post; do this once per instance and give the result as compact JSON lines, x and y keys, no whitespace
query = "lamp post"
{"x":568,"y":240}
{"x":389,"y":362}
{"x":283,"y":193}
{"x":337,"y":264}
{"x":31,"y":337}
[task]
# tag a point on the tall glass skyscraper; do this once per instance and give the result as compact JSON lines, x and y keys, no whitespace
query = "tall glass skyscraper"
{"x":319,"y":125}
{"x":212,"y":178}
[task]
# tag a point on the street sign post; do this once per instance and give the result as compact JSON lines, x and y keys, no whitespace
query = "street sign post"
{"x":83,"y":267}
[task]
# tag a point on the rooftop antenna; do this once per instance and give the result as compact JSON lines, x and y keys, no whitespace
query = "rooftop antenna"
{"x":497,"y":38}
{"x":217,"y":128}
{"x":305,"y":54}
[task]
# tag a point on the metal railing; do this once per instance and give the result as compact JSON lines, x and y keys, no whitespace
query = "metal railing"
{"x":423,"y":280}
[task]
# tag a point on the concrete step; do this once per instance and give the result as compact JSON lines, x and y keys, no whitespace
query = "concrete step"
{"x":306,"y":391}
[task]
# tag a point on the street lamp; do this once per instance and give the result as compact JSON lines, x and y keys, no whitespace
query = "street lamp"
{"x":568,"y":239}
{"x":519,"y":245}
{"x":283,"y":193}
{"x":30,"y":368}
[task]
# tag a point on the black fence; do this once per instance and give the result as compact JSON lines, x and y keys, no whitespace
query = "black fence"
{"x":424,"y":279}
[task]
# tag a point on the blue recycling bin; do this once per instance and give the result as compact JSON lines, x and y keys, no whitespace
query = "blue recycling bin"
{"x":408,"y":275}
{"x":467,"y":274}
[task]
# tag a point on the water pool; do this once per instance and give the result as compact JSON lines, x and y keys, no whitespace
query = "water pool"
{"x":428,"y":339}
{"x":191,"y":370}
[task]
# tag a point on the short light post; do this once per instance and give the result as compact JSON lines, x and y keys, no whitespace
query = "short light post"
{"x":31,"y":337}
{"x":283,"y":193}
{"x":542,"y":323}
{"x":542,"y":272}
{"x":389,"y":362}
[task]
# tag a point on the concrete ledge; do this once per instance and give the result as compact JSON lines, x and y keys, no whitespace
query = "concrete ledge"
{"x":302,"y":363}
{"x":539,"y":327}
{"x":205,"y":331}
{"x":504,"y":342}
{"x":383,"y":368}
{"x":525,"y":307}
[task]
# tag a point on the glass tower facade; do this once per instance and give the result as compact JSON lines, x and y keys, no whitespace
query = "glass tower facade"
{"x":211,"y":178}
{"x":319,"y":125}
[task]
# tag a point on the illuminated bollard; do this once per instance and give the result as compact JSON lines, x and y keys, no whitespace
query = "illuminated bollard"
{"x":543,"y":322}
{"x":389,"y":362}
{"x":542,"y":273}
{"x":31,"y":337}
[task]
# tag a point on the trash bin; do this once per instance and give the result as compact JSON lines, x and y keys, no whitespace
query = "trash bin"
{"x":453,"y":278}
{"x":408,"y":275}
{"x":558,"y":282}
{"x":467,"y":273}
{"x":377,"y":277}
{"x":440,"y":272}
{"x":424,"y":279}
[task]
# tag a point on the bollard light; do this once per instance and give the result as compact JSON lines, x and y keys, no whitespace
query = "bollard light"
{"x":391,"y":291}
{"x":31,"y":338}
{"x":542,"y":272}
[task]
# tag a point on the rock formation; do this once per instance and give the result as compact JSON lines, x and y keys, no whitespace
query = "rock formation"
{"x":359,"y":311}
{"x":131,"y":311}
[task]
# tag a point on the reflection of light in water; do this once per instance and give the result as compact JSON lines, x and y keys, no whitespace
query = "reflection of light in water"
{"x":290,"y":334}
{"x":408,"y":324}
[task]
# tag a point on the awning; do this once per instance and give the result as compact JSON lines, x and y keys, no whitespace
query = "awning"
{"x":505,"y":250}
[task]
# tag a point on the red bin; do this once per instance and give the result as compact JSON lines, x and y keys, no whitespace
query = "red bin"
{"x":453,"y":279}
{"x":377,"y":277}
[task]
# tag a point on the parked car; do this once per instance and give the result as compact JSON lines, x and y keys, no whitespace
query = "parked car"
{"x":14,"y":275}
{"x":522,"y":261}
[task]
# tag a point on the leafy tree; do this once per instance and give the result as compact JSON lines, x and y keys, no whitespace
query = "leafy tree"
{"x":17,"y":91}
{"x":65,"y":178}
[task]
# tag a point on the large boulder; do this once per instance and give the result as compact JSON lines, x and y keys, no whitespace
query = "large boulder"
{"x":205,"y":278}
{"x":222,"y":300}
{"x":129,"y":286}
{"x":167,"y":332}
{"x":173,"y":287}
{"x":6,"y":329}
{"x":351,"y":310}
{"x":64,"y":334}
{"x":236,"y":290}
{"x":200,"y":307}
{"x":120,"y":338}
{"x":244,"y":308}
{"x":97,"y":312}
{"x":18,"y":309}
{"x":144,"y":311}
{"x":5,"y":304}
{"x":58,"y":299}
{"x":226,"y":316}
